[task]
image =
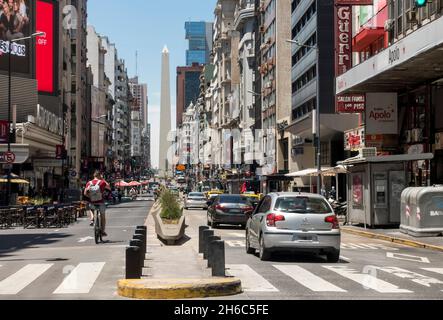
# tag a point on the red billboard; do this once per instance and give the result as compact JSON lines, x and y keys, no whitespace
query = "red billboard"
{"x":45,"y":46}
{"x":354,"y":2}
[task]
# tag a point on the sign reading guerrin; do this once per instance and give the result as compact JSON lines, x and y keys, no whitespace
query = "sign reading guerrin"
{"x":343,"y":38}
{"x":350,"y":103}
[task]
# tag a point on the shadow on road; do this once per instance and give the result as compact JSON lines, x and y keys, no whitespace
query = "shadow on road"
{"x":300,"y":258}
{"x":14,"y":242}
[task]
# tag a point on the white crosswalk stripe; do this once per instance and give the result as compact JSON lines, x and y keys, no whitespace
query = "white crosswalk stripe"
{"x":22,"y":278}
{"x":367,"y":280}
{"x":365,"y":246}
{"x":236,"y":244}
{"x":81,"y":279}
{"x":251,"y":280}
{"x":413,"y":276}
{"x":308,"y":279}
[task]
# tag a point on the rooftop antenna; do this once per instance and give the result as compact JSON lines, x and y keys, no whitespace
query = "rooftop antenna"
{"x":136,"y":63}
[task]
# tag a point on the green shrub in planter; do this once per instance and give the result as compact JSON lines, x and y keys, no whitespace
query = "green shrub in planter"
{"x":170,"y":207}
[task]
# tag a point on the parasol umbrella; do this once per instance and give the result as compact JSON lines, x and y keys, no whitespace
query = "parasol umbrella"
{"x":134,"y":184}
{"x":122,"y":184}
{"x":15,"y":179}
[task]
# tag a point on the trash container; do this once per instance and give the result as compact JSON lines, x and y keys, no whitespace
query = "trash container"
{"x":422,"y":214}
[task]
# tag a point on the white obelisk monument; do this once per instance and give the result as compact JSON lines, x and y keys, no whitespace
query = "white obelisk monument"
{"x":165,"y":115}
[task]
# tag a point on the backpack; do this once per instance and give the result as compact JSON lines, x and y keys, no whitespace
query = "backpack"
{"x":95,"y":192}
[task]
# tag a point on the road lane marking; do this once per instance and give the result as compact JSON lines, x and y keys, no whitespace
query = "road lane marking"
{"x":236,"y":244}
{"x":344,"y":258}
{"x":307,"y":279}
{"x":81,"y":279}
{"x":407,"y":257}
{"x":364,"y":246}
{"x":82,"y":240}
{"x":413,"y":276}
{"x":367,"y":280}
{"x":436,"y":270}
{"x":251,"y":280}
{"x":236,"y":235}
{"x":22,"y":278}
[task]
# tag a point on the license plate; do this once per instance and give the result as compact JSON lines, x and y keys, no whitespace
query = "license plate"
{"x":307,"y":238}
{"x":235,"y":211}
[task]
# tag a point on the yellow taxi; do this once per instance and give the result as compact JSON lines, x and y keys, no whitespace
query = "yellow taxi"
{"x":213,"y":193}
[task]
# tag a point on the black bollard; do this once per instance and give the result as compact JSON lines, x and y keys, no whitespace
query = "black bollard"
{"x":133,"y":270}
{"x":209,"y":243}
{"x":142,"y":248}
{"x":218,"y":256}
{"x":206,"y":235}
{"x":201,"y":245}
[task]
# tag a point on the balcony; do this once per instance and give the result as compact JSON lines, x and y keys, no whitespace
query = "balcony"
{"x":245,"y":10}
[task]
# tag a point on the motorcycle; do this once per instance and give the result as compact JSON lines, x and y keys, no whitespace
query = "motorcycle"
{"x":340,"y":208}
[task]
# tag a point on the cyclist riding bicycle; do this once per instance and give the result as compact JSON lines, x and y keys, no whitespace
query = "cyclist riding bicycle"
{"x":96,"y":191}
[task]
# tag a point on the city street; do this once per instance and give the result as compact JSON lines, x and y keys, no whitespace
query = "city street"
{"x":66,"y":263}
{"x":369,"y":269}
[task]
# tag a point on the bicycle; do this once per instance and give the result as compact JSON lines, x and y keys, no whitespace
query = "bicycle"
{"x":98,"y":231}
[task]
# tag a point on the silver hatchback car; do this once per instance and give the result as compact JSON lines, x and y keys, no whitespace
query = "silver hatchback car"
{"x":294,"y":222}
{"x":196,"y":200}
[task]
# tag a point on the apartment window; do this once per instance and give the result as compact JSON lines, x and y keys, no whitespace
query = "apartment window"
{"x":295,"y":4}
{"x":304,"y":109}
{"x":310,"y":12}
{"x":304,"y":79}
{"x":300,"y":53}
{"x":399,"y":16}
{"x":325,"y":157}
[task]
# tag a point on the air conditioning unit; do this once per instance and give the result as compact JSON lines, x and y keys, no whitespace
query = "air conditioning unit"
{"x":389,"y":24}
{"x":411,"y":16}
{"x":368,"y":152}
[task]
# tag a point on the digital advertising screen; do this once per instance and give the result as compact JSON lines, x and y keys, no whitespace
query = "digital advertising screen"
{"x":44,"y":46}
{"x":16,"y":22}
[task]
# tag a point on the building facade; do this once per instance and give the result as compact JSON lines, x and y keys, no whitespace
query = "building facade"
{"x":188,"y":88}
{"x":199,"y":36}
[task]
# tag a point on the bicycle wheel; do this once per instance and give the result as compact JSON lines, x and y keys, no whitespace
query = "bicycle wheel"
{"x":97,"y":231}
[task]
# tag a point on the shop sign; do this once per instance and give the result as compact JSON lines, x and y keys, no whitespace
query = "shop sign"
{"x":48,"y":121}
{"x":350,"y":103}
{"x":381,"y":113}
{"x":355,"y":139}
{"x":4,"y":131}
{"x":343,"y":39}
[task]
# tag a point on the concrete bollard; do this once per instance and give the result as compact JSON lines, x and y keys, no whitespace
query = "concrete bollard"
{"x":142,"y":248}
{"x":206,"y":235}
{"x":133,"y":270}
{"x":209,"y":244}
{"x":201,"y":244}
{"x":218,"y":258}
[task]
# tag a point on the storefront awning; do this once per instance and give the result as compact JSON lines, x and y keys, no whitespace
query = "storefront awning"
{"x":21,"y":152}
{"x":413,"y":60}
{"x":394,"y":158}
{"x":366,"y":37}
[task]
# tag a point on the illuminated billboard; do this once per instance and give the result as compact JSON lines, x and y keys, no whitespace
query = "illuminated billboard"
{"x":16,"y":21}
{"x":44,"y":46}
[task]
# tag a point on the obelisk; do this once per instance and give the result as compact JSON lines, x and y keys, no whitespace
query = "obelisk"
{"x":165,"y":115}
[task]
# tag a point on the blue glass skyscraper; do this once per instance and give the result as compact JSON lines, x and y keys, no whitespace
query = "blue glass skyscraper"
{"x":199,"y":35}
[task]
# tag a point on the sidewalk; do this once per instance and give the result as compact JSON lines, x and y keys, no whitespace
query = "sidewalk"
{"x":396,"y":236}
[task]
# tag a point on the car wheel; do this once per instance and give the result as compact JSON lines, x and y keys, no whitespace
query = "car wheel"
{"x":249,"y":250}
{"x":264,"y":253}
{"x":333,"y":257}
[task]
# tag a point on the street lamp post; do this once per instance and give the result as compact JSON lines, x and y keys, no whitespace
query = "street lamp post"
{"x":315,"y":113}
{"x":37,"y":34}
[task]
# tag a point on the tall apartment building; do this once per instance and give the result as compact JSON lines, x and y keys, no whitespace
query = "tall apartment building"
{"x":275,"y":73}
{"x":199,"y":36}
{"x":139,"y":121}
{"x":188,"y":88}
{"x":223,"y":77}
{"x":312,"y":26}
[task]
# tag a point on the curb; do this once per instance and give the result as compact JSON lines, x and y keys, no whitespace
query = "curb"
{"x":406,"y":242}
{"x":160,"y":289}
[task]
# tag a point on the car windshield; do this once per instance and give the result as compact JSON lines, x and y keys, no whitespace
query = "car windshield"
{"x":196,"y":195}
{"x":235,"y":199}
{"x":302,"y":205}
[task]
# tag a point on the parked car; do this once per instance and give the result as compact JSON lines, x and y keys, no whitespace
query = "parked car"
{"x":229,"y":209}
{"x":196,"y":200}
{"x":293,"y":222}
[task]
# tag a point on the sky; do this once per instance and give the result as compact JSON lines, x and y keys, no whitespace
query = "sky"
{"x":146,"y":26}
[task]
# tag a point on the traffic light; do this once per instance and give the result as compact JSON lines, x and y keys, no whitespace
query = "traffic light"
{"x":420,"y":3}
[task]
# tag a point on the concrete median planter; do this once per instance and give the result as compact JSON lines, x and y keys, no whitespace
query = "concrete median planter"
{"x":170,"y":233}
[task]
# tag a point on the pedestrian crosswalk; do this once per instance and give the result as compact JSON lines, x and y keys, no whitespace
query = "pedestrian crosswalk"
{"x":337,"y":279}
{"x":78,"y":279}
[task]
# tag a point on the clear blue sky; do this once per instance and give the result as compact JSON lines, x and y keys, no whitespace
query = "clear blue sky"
{"x":146,"y":26}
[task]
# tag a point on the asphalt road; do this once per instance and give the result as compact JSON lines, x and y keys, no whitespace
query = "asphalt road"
{"x":368,"y":269}
{"x":66,"y":263}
